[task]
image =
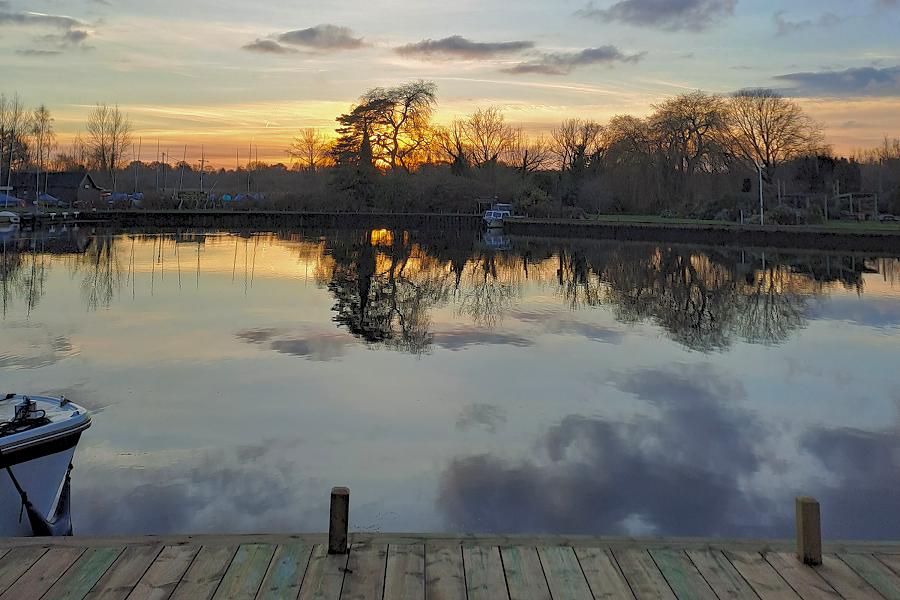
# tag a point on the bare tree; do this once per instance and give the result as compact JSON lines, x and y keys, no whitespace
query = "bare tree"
{"x":768,"y":129}
{"x":577,"y":142}
{"x":451,"y":141}
{"x":15,"y":122}
{"x":44,"y":136}
{"x":310,"y":149}
{"x":528,"y":154}
{"x":403,"y":131}
{"x":488,"y":135}
{"x":109,"y":135}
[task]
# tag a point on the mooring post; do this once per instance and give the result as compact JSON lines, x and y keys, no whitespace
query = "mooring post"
{"x":339,"y":521}
{"x":809,"y":531}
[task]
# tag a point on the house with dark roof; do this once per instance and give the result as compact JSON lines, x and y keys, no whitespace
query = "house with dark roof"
{"x":68,"y":187}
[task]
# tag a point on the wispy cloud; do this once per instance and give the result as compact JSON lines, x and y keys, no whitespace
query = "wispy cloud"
{"x":670,"y":15}
{"x":268,"y":47}
{"x":563,"y":63}
{"x":860,"y":81}
{"x":457,"y":46}
{"x":784,"y":26}
{"x":322,"y":38}
{"x":72,"y":31}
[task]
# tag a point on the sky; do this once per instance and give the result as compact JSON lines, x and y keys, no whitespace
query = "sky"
{"x":226,"y":74}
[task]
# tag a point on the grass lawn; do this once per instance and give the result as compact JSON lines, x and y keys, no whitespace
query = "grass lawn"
{"x":849,"y":226}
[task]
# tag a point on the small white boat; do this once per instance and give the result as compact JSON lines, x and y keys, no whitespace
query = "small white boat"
{"x":9,"y":218}
{"x":38,"y":436}
{"x":494,"y":218}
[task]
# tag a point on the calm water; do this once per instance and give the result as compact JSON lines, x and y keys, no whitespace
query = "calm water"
{"x":460,"y":384}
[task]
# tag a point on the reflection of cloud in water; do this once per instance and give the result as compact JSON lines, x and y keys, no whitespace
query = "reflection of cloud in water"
{"x":876,"y":311}
{"x":316,"y":346}
{"x":460,"y":338}
{"x":28,"y":347}
{"x":861,"y":500}
{"x":551,"y":322}
{"x":681,"y":472}
{"x":250,"y":489}
{"x":486,"y":416}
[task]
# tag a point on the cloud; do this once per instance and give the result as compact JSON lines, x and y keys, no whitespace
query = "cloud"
{"x":322,"y":38}
{"x":38,"y":52}
{"x":457,"y":46}
{"x":486,"y":416}
{"x":315,"y":346}
{"x":669,"y":15}
{"x":460,"y":338}
{"x":563,"y":63}
{"x":34,"y":348}
{"x":785,"y":27}
{"x":859,"y":81}
{"x":267,"y":47}
{"x":73,"y":31}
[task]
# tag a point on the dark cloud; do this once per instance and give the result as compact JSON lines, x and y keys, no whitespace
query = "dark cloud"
{"x":679,"y":472}
{"x":565,"y":62}
{"x":785,"y":27}
{"x":73,"y":31}
{"x":486,"y":416}
{"x":457,"y":46}
{"x":670,"y":15}
{"x":458,"y":339}
{"x":315,"y":346}
{"x":268,"y":47}
{"x":860,"y":81}
{"x":323,"y":38}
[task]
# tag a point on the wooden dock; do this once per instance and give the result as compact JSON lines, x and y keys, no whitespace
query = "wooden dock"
{"x":439,"y":568}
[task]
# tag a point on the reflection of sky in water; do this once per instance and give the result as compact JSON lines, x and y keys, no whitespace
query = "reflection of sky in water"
{"x":611,"y":389}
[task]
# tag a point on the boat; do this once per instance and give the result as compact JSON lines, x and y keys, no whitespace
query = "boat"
{"x":496,"y":215}
{"x":38,"y":436}
{"x":9,"y":218}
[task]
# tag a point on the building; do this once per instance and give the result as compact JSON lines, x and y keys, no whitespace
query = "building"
{"x":68,"y":187}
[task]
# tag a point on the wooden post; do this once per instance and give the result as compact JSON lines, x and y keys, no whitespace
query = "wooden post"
{"x":339,"y":521}
{"x":809,"y":531}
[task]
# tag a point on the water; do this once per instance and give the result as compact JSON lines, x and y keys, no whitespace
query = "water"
{"x":459,"y":384}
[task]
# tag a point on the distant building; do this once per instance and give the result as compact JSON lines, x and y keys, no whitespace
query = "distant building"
{"x":68,"y":187}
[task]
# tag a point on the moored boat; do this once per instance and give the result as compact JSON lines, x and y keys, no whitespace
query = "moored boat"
{"x":38,"y":436}
{"x":9,"y":218}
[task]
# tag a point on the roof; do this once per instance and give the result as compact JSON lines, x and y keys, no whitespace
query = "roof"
{"x":64,"y":180}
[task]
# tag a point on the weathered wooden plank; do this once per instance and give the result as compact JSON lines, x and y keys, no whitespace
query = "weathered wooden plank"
{"x":246,"y":572}
{"x":163,"y":575}
{"x":405,"y":576}
{"x":845,"y":580}
{"x":891,"y":560}
{"x":124,"y":574}
{"x":764,"y":580}
{"x":524,"y":574}
{"x":643,"y":576}
{"x":876,"y":573}
{"x":444,"y":576}
{"x":564,"y":575}
{"x":15,"y":562}
{"x":285,"y":573}
{"x":721,"y":575}
{"x":205,"y":574}
{"x":484,"y":573}
{"x":87,"y":571}
{"x":365,"y":572}
{"x":35,"y":582}
{"x":603,"y":574}
{"x":804,"y":579}
{"x":324,"y":575}
{"x":683,"y":577}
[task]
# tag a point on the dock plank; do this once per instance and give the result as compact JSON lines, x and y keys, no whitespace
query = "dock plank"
{"x":524,"y":574}
{"x":721,"y":575}
{"x":805,"y":580}
{"x":246,"y":572}
{"x":484,"y":573}
{"x":364,"y":579}
{"x":16,"y":562}
{"x":603,"y":574}
{"x":563,"y":572}
{"x":683,"y":577}
{"x":285,"y":574}
{"x":845,"y":580}
{"x":205,"y":573}
{"x":41,"y":576}
{"x":161,"y":578}
{"x":124,"y":574}
{"x":642,"y":574}
{"x":87,"y":571}
{"x":324,"y":575}
{"x":764,"y":580}
{"x":444,"y":575}
{"x":891,"y":560}
{"x":405,"y":576}
{"x":876,"y":573}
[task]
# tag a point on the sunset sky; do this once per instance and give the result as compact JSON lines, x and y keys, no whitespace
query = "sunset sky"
{"x":228,"y":73}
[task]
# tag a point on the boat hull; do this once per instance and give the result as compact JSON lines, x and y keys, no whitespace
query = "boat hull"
{"x":42,"y":477}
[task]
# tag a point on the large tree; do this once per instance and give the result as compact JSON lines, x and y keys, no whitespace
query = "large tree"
{"x":577,"y":144}
{"x":15,"y":123}
{"x":310,"y":149}
{"x":487,"y":135}
{"x":44,"y":136}
{"x":109,"y":134}
{"x":402,"y":131}
{"x":767,"y":129}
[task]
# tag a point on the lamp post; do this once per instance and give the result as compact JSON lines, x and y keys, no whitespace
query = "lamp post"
{"x":759,"y":168}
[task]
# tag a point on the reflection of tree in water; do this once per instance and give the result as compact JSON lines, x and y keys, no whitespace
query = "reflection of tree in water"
{"x":490,"y":284}
{"x":23,"y":272}
{"x":101,"y":271}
